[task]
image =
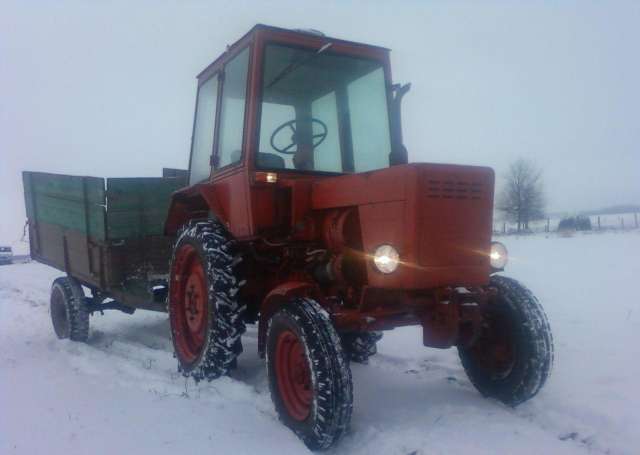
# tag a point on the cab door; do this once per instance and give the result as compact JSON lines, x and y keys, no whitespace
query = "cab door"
{"x":218,"y":149}
{"x":229,"y":175}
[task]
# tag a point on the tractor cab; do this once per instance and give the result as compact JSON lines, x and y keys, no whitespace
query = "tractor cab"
{"x":290,"y":106}
{"x":293,"y":101}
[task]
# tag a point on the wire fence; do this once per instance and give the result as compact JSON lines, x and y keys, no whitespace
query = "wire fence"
{"x":609,"y":222}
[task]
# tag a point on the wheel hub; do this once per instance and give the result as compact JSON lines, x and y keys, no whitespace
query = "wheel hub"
{"x":194,"y":300}
{"x":59,"y":314}
{"x":190,"y":315}
{"x":294,"y":375}
{"x":494,"y":349}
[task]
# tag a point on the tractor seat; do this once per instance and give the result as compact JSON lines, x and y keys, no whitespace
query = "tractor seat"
{"x":264,"y":160}
{"x":270,"y":161}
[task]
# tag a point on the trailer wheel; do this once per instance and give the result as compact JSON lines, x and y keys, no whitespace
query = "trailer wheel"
{"x":359,"y":346}
{"x":205,"y":315}
{"x":309,"y":375}
{"x":69,"y":313}
{"x":512,"y":358}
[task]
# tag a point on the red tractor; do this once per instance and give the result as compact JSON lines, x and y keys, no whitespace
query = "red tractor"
{"x":303,"y":215}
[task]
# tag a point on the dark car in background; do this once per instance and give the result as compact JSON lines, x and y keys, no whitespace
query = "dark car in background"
{"x":6,"y":255}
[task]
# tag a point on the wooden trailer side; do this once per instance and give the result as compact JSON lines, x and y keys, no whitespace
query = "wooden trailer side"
{"x":139,"y":254}
{"x":67,"y":223}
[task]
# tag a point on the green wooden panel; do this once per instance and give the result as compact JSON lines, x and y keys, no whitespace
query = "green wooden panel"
{"x":62,"y":212}
{"x":69,"y":187}
{"x":135,"y":223}
{"x":137,"y":207}
{"x":68,"y":201}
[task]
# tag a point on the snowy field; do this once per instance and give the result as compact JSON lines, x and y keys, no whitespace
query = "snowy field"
{"x":120,"y":393}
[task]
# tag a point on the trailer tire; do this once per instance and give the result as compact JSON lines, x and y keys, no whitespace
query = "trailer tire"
{"x":308,"y":372}
{"x":205,"y":314}
{"x":513,"y":356}
{"x":69,"y":314}
{"x":359,"y":346}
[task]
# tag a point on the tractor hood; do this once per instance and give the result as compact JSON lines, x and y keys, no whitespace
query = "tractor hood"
{"x":438,"y":217}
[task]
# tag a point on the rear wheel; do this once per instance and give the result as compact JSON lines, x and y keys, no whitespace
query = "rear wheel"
{"x":512,"y":358}
{"x":308,"y":373}
{"x":204,"y":312}
{"x":69,"y":313}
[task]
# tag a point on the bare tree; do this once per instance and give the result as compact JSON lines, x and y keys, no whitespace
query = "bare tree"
{"x":522,"y":198}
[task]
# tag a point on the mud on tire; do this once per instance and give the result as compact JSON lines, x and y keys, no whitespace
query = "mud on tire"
{"x":69,"y":313}
{"x":205,"y":314}
{"x":321,"y":415}
{"x":513,"y":357}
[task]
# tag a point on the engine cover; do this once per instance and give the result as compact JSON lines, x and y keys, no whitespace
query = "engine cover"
{"x":438,"y":217}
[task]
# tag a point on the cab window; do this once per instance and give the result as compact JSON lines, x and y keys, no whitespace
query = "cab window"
{"x":369,"y":121}
{"x":202,"y":143}
{"x":234,"y":89}
{"x":322,"y":112}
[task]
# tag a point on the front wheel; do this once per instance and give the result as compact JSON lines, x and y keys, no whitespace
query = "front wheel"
{"x":512,"y":358}
{"x":309,"y":375}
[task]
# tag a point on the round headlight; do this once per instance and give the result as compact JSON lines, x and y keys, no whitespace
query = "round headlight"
{"x":386,"y":258}
{"x":498,"y":255}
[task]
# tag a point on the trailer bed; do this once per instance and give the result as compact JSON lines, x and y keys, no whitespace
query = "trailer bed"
{"x":106,"y":233}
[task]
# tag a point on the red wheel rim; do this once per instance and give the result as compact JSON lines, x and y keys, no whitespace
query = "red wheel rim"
{"x":294,"y":376}
{"x":190,"y":301}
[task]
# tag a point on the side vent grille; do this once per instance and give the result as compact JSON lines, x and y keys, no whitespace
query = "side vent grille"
{"x":451,"y":189}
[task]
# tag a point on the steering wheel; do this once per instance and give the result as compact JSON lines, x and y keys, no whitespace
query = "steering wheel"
{"x":316,"y":139}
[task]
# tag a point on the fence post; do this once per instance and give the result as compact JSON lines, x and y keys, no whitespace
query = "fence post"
{"x":504,"y":227}
{"x":599,"y":222}
{"x":635,"y":217}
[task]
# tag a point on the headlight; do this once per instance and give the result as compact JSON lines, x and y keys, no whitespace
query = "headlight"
{"x":386,"y":258}
{"x":498,"y":255}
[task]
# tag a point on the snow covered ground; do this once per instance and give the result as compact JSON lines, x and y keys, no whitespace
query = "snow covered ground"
{"x":120,"y":393}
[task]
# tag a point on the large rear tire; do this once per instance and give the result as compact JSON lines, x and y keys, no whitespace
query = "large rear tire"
{"x":513,"y":356}
{"x":205,"y":314}
{"x":69,"y":313}
{"x":309,"y":375}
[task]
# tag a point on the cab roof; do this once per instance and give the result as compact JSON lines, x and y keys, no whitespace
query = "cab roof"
{"x":265,"y":33}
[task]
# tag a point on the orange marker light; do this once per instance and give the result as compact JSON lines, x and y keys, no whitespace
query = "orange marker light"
{"x":266,"y":177}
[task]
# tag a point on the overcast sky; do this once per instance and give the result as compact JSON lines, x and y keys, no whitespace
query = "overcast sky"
{"x":107,"y":88}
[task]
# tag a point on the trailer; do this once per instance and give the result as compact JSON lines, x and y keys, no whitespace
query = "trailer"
{"x":108,"y":234}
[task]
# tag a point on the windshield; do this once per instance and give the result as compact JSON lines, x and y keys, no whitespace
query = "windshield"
{"x":322,"y":112}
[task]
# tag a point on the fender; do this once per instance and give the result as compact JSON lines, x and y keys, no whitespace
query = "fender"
{"x":275,"y":299}
{"x":196,"y":201}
